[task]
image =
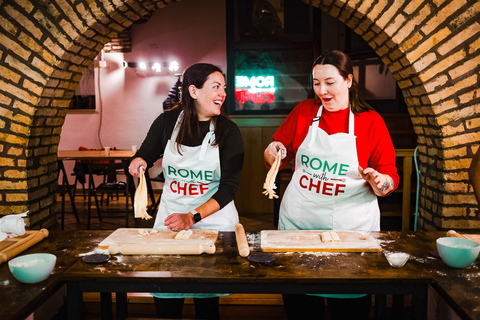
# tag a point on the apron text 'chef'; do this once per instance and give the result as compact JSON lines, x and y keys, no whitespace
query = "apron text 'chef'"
{"x":326,"y":191}
{"x":191,"y":179}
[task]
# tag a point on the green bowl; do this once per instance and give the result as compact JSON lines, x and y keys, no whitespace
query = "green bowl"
{"x":32,"y":268}
{"x":457,"y":252}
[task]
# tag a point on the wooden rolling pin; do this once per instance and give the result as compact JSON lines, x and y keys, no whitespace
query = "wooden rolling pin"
{"x":170,"y":248}
{"x":242,"y":243}
{"x":23,"y":245}
{"x":453,"y":233}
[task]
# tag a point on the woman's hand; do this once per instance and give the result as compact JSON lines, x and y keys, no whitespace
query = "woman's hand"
{"x":179,"y":221}
{"x":272,"y":150}
{"x":381,"y":184}
{"x":135,"y":164}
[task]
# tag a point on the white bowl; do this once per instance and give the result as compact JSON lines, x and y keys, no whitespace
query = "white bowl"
{"x":457,"y":252}
{"x":32,"y":268}
{"x":397,"y":259}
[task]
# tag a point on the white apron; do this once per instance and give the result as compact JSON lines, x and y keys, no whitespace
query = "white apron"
{"x":191,"y":179}
{"x":326,"y":191}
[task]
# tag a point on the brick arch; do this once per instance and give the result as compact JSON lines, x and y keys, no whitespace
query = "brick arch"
{"x":432,"y":50}
{"x":44,"y":48}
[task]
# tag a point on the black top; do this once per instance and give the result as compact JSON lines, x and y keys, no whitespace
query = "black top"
{"x":230,"y":149}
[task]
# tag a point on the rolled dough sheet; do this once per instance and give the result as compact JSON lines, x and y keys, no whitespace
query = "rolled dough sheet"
{"x":153,"y":236}
{"x":311,"y":241}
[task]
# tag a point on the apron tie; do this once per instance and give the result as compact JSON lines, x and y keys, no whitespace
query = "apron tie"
{"x":209,"y":137}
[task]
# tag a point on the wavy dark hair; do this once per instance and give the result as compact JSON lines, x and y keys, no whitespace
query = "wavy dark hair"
{"x":196,"y":75}
{"x":342,"y":62}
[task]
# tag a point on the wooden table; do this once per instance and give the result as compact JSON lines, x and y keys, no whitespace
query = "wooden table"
{"x":460,"y":288}
{"x":100,"y":155}
{"x":227,"y":272}
{"x":19,"y":300}
{"x":94,"y":155}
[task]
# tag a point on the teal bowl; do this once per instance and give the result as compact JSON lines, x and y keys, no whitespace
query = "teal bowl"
{"x":32,"y":268}
{"x":457,"y":252}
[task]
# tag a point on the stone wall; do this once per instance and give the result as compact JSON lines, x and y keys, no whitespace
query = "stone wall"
{"x":431,"y":47}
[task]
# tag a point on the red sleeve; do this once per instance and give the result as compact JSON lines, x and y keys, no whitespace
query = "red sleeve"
{"x":374,"y":145}
{"x":295,"y":128}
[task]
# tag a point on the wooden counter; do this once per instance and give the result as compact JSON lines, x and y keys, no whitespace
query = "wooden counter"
{"x":227,"y":272}
{"x":20,"y":300}
{"x":460,"y":288}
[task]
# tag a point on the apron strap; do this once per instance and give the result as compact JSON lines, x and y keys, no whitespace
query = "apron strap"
{"x":314,"y":127}
{"x":173,"y":137}
{"x":209,"y":137}
{"x":351,"y":125}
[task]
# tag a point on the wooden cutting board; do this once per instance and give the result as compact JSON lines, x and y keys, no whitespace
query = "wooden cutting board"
{"x":11,"y":247}
{"x":311,"y":241}
{"x":136,"y":241}
{"x":474,"y":237}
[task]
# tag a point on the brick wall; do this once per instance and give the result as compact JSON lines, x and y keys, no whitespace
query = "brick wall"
{"x":432,"y":48}
{"x":44,"y":48}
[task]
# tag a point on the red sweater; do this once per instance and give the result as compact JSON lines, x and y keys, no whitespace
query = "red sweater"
{"x":374,"y":145}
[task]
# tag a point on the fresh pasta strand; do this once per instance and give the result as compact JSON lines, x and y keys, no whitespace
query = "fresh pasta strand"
{"x":269,"y":184}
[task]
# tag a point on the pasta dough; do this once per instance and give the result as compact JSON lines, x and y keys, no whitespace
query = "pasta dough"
{"x":329,"y":236}
{"x":184,"y":234}
{"x":269,"y":184}
{"x":140,"y":202}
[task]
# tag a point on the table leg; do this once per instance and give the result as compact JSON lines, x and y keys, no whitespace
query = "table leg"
{"x":122,"y":305}
{"x":74,"y":301}
{"x":397,"y":306}
{"x":420,"y":303}
{"x":106,"y":305}
{"x":380,"y":306}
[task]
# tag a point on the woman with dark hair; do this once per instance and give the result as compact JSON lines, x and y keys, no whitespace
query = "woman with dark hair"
{"x":344,"y":159}
{"x":202,"y":155}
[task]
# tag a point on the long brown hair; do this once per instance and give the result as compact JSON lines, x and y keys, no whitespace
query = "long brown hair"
{"x":342,"y":62}
{"x":195,"y":75}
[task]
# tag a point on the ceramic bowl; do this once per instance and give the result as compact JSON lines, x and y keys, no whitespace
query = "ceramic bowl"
{"x":32,"y":268}
{"x":457,"y":252}
{"x":397,"y":259}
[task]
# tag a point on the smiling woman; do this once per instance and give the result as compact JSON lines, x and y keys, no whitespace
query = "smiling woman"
{"x":202,"y":155}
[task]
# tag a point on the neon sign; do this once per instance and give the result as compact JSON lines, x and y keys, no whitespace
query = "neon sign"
{"x":258,"y":89}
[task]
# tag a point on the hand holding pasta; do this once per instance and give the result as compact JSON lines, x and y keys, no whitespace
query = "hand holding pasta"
{"x":269,"y":184}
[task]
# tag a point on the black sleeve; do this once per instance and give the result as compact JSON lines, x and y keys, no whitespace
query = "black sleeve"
{"x":155,"y":142}
{"x":231,"y":163}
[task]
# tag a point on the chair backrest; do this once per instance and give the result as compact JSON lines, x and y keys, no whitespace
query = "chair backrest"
{"x":107,"y":169}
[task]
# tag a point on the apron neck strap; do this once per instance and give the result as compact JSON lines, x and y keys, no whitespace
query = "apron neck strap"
{"x":209,"y":137}
{"x":314,"y":127}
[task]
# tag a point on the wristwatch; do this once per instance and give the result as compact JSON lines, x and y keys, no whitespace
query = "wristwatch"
{"x":196,"y":216}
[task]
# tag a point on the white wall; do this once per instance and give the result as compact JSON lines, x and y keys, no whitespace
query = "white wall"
{"x":188,"y":31}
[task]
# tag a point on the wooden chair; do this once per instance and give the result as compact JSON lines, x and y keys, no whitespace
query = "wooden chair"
{"x":118,"y":187}
{"x":63,"y":189}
